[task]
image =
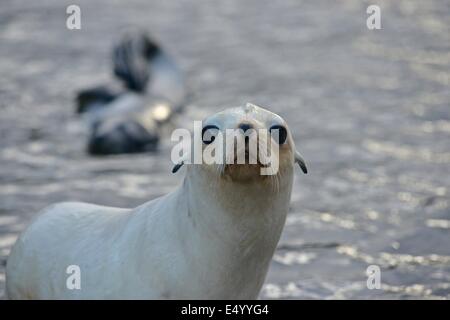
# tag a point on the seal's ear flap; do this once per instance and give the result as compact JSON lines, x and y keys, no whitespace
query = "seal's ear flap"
{"x":301,"y":162}
{"x":177,"y":166}
{"x":186,"y":158}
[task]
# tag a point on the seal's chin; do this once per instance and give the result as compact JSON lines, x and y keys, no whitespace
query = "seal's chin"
{"x":251,"y":170}
{"x":244,"y":173}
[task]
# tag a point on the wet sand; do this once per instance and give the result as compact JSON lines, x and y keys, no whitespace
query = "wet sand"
{"x":369,"y":110}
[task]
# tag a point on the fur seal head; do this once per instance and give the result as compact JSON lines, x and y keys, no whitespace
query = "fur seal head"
{"x":254,"y":144}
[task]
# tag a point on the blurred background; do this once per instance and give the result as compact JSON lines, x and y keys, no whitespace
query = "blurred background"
{"x":369,"y":110}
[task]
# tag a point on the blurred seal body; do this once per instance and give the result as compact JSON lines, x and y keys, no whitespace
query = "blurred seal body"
{"x":212,"y":238}
{"x":129,"y":119}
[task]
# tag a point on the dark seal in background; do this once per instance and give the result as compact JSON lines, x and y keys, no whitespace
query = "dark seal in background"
{"x":128,"y":118}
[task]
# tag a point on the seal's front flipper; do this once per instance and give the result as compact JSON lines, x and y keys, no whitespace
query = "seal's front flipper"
{"x":301,"y":162}
{"x":98,"y":97}
{"x":131,"y":57}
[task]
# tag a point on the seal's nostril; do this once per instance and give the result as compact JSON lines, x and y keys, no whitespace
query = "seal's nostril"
{"x":245,"y":126}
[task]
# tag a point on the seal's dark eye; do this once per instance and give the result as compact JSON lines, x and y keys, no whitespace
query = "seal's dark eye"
{"x":282,"y":133}
{"x":209,"y":134}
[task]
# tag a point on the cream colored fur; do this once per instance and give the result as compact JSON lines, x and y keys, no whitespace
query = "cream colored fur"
{"x":211,"y":238}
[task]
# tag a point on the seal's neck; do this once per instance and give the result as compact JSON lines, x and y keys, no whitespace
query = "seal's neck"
{"x":251,"y":205}
{"x":235,"y":227}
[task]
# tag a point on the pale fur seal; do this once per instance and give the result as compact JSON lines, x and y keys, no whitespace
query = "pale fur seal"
{"x":211,"y":238}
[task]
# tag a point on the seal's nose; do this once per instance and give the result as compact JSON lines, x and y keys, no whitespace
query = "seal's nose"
{"x":245,"y":126}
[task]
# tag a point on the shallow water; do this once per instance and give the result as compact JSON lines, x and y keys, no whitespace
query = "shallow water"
{"x":369,"y":110}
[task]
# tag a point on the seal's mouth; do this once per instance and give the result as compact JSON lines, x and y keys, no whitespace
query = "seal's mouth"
{"x":245,"y":171}
{"x":249,"y":164}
